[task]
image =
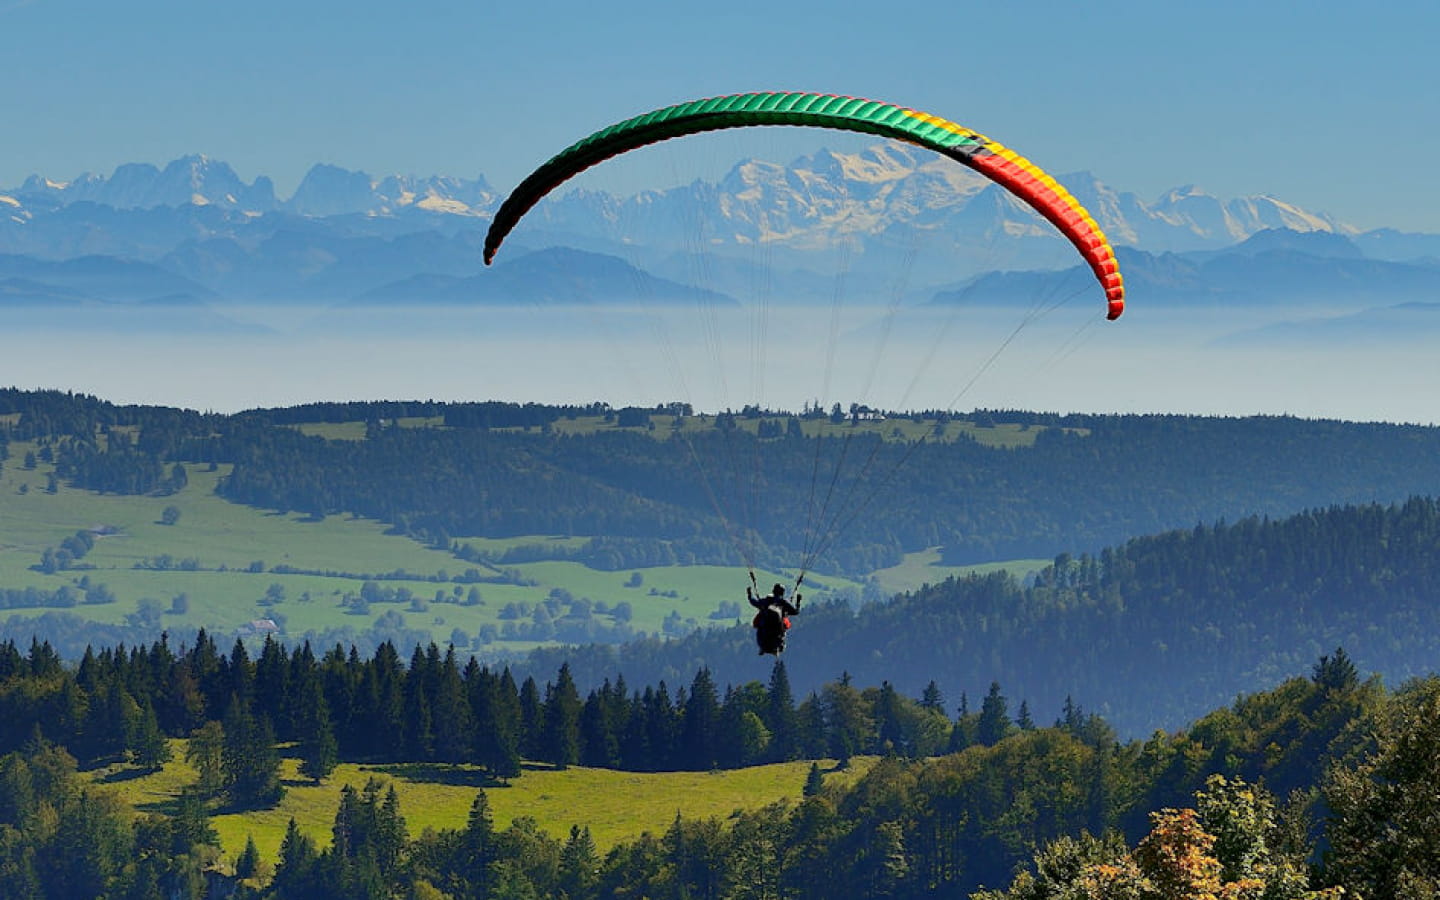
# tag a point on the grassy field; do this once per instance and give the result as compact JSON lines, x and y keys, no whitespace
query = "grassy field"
{"x":355,"y":431}
{"x":896,"y":428}
{"x":220,"y":556}
{"x":616,"y":806}
{"x":924,"y":568}
{"x":225,"y":541}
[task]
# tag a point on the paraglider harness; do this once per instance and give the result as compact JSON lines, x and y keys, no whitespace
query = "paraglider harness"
{"x":773,"y":618}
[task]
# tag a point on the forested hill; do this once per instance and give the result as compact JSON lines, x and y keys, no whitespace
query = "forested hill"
{"x":1083,"y":483}
{"x":1000,"y":485}
{"x":1150,"y":633}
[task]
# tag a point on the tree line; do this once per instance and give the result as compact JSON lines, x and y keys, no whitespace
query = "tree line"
{"x":1086,"y":481}
{"x":1322,"y":784}
{"x":122,"y":703}
{"x":1072,"y":488}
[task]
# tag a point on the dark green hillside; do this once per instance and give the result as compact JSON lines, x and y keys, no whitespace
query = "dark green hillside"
{"x":1086,"y":481}
{"x":1044,"y":484}
{"x":1150,"y":633}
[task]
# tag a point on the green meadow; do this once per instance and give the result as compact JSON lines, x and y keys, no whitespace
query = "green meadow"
{"x":1003,"y":435}
{"x":221,"y":557}
{"x":893,"y":428}
{"x":924,"y":567}
{"x":616,"y":806}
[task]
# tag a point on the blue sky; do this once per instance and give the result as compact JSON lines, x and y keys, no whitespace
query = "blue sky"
{"x":1332,"y":106}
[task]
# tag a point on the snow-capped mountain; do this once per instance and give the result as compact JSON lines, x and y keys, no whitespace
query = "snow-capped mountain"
{"x":1215,"y":222}
{"x":332,"y":191}
{"x":818,"y":202}
{"x":893,"y":195}
{"x":325,"y":191}
{"x":346,"y":234}
{"x":196,"y":180}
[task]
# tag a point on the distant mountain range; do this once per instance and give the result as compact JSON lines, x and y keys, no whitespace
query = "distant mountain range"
{"x":200,"y":181}
{"x":195,"y":231}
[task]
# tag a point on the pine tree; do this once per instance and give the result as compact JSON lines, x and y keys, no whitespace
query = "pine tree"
{"x":347,"y":833}
{"x":662,"y":733}
{"x":531,"y":720}
{"x":450,"y":714}
{"x":932,"y":699}
{"x":110,"y":718}
{"x":205,"y":664}
{"x":1023,"y":721}
{"x":810,"y":720}
{"x":145,"y":743}
{"x":560,"y":740}
{"x":237,"y":674}
{"x":1072,"y":717}
{"x":190,"y":825}
{"x":320,"y":753}
{"x":10,"y":660}
{"x":390,"y":833}
{"x":1337,"y":672}
{"x":340,"y":685}
{"x":814,"y":781}
{"x":319,"y":750}
{"x":848,"y":717}
{"x":419,"y":724}
{"x":248,"y":862}
{"x":272,"y":685}
{"x":477,"y":851}
{"x":994,"y":721}
{"x":635,"y":755}
{"x":699,"y":742}
{"x":780,"y":716}
{"x":250,"y":762}
{"x":579,"y":865}
{"x":205,"y":753}
{"x":302,"y":685}
{"x":381,"y":705}
{"x":598,"y":745}
{"x":294,"y":874}
{"x":43,"y":661}
{"x":496,"y":716}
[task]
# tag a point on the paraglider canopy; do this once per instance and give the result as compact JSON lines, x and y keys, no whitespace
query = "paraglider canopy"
{"x":970,"y":148}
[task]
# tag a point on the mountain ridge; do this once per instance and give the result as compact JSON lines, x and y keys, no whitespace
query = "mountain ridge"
{"x":345,"y":236}
{"x":811,"y":201}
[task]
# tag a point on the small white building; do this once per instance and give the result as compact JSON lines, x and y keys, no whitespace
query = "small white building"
{"x":259,"y":626}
